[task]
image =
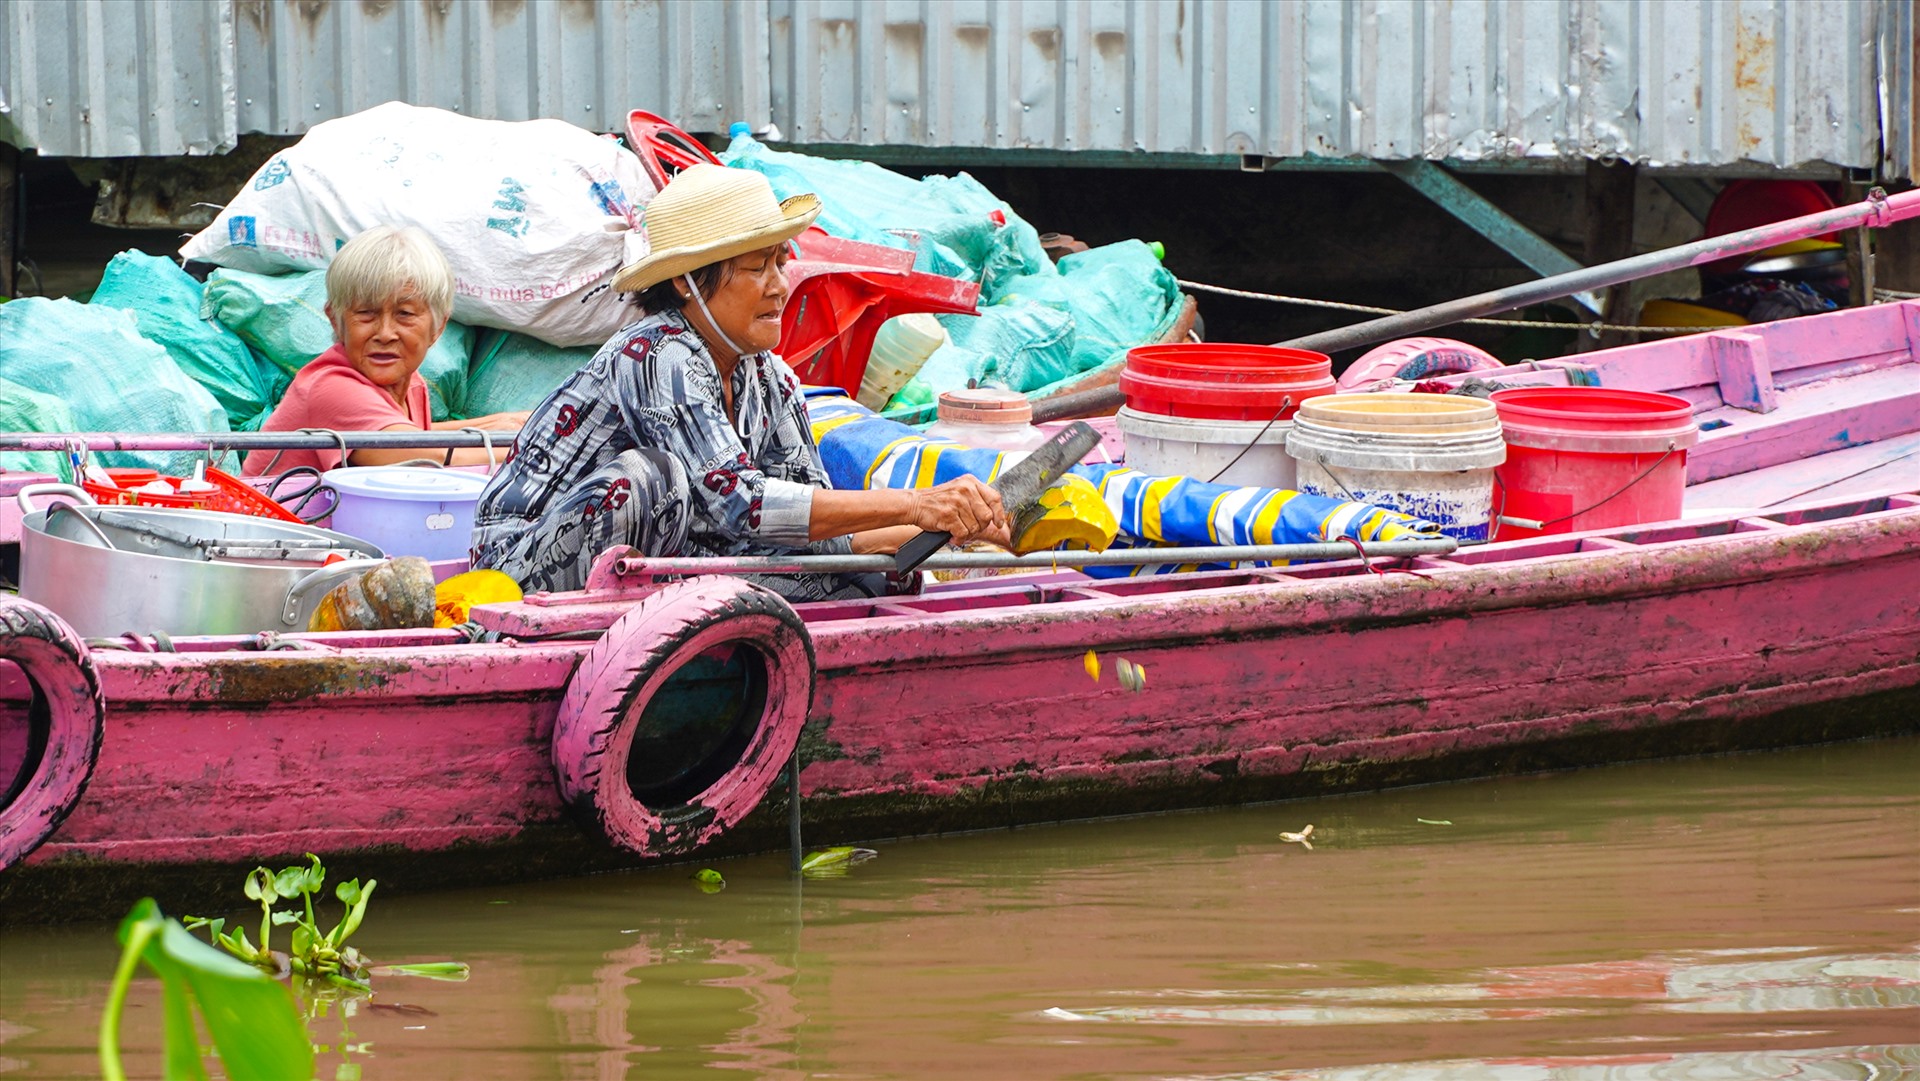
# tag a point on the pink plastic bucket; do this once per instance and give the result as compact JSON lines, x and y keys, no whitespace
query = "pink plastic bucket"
{"x":1590,"y":457}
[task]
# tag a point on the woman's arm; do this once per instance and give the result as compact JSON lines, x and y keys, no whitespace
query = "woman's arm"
{"x":492,"y":422}
{"x":964,"y":506}
{"x":462,"y":456}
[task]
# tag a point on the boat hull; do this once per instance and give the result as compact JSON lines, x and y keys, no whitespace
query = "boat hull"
{"x":427,"y":763}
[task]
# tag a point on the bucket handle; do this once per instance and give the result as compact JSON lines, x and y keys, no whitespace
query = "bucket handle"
{"x":328,"y":577}
{"x":1285,"y":401}
{"x":1539,"y":525}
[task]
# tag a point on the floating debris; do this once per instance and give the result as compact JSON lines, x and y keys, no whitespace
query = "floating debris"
{"x":1092,"y":663}
{"x":1434,"y":821}
{"x":708,"y":880}
{"x":833,"y":862}
{"x":1300,"y":838}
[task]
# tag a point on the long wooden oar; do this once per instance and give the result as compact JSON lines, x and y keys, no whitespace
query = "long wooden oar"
{"x":1878,"y":210}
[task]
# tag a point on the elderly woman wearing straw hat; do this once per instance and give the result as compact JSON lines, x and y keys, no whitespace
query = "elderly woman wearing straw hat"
{"x":685,"y":435}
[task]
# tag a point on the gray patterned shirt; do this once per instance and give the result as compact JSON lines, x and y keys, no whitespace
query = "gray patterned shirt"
{"x":655,"y":386}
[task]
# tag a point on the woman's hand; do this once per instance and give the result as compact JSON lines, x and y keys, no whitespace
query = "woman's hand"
{"x":965,"y":507}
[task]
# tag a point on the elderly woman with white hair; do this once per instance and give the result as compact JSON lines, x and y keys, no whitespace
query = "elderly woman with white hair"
{"x":389,"y":295}
{"x":686,"y":436}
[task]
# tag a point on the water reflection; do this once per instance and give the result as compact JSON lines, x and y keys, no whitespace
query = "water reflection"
{"x":1758,"y":985}
{"x":1652,"y":922}
{"x":1818,"y":1064}
{"x":677,"y":995}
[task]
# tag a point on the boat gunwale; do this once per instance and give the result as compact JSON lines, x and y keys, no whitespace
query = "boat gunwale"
{"x":1340,"y":599}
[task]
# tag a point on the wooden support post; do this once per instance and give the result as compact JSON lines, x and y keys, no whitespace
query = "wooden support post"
{"x":1858,"y":245}
{"x":1896,"y":257}
{"x":9,"y":216}
{"x":1610,"y":213}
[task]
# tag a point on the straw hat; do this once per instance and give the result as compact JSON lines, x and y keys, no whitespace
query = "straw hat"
{"x":709,"y":213}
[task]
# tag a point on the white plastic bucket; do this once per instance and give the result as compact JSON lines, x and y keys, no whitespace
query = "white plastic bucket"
{"x":1428,"y":455}
{"x":406,"y":510}
{"x":1202,"y":448}
{"x":901,"y":346}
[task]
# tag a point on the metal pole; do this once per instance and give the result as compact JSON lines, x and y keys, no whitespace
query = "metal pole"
{"x":793,"y":809}
{"x":1124,"y":557}
{"x":244,"y":441}
{"x":1879,"y":211}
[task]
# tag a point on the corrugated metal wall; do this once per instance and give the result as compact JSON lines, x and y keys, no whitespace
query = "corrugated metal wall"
{"x":1695,"y":83}
{"x":1666,"y":82}
{"x":111,"y":78}
{"x":105,"y":78}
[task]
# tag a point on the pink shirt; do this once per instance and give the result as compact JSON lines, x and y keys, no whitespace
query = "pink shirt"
{"x":329,"y":393}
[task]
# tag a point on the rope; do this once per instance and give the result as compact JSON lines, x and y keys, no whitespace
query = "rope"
{"x":1369,"y":309}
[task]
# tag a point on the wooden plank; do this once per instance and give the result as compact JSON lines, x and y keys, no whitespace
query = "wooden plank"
{"x":1746,"y":372}
{"x":1610,"y":213}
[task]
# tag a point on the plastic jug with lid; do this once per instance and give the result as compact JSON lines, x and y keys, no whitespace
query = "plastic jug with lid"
{"x":902,"y":345}
{"x":992,"y":418}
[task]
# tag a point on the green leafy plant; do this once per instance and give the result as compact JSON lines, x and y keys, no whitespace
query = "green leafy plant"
{"x":255,"y":1028}
{"x":313,"y":954}
{"x":834,"y":862}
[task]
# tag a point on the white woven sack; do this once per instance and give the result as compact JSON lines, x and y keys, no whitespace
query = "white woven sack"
{"x":534,"y":216}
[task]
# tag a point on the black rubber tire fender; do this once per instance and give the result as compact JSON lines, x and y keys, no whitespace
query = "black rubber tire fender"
{"x":65,"y":722}
{"x":606,"y":700}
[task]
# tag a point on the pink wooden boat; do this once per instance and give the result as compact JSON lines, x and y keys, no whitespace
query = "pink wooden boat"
{"x":660,"y":717}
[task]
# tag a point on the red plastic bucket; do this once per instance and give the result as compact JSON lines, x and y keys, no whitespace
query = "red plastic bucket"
{"x":1214,"y":381}
{"x":1590,"y":457}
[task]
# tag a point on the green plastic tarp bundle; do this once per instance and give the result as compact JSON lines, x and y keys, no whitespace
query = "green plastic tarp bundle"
{"x":165,"y":303}
{"x":92,"y":360}
{"x":1040,"y":324}
{"x":513,"y":372}
{"x":283,"y":318}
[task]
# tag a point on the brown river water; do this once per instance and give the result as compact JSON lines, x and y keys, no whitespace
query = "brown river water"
{"x":1753,"y":916}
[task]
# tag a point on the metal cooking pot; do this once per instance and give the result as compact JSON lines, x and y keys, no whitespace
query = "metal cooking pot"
{"x":117,"y":569}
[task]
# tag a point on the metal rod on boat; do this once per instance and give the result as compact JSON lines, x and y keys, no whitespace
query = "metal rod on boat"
{"x":793,"y":808}
{"x":1875,"y":212}
{"x":104,"y":441}
{"x":1124,"y":557}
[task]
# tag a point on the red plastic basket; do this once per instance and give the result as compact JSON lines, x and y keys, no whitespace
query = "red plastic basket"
{"x":230,"y":494}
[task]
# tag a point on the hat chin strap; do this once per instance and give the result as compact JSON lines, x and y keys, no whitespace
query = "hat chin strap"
{"x":701,"y":301}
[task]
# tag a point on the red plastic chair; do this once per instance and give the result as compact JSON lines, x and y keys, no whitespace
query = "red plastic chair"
{"x":664,"y":149}
{"x":842,"y":291}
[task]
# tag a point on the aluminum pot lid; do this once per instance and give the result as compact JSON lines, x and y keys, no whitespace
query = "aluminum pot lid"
{"x":406,"y":482}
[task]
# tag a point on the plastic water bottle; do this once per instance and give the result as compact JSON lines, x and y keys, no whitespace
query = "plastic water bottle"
{"x":903,"y":344}
{"x":198,"y":482}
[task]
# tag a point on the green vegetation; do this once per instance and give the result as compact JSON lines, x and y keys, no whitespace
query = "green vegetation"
{"x":834,"y":862}
{"x":250,"y":1017}
{"x":313,"y":954}
{"x":257,"y":1027}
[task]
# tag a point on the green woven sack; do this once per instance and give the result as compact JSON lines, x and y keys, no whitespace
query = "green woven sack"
{"x":165,"y":303}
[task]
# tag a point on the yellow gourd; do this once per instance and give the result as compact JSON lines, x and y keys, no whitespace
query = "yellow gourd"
{"x":397,"y":593}
{"x":1070,"y":513}
{"x":455,"y":598}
